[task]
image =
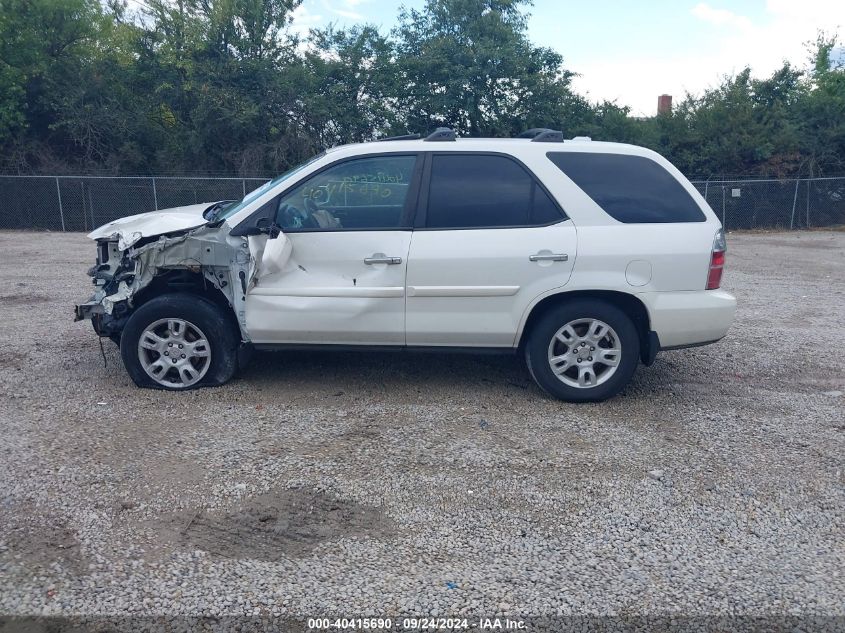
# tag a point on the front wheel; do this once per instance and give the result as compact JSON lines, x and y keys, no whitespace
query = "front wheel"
{"x":177,"y":342}
{"x":583,"y":351}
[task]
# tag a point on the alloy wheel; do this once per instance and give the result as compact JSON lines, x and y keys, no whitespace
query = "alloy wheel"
{"x":174,"y":352}
{"x":585,"y":353}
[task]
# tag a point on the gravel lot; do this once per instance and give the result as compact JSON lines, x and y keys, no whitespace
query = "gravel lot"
{"x":353,"y":484}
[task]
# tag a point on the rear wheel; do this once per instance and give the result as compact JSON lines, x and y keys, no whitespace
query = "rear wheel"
{"x":583,"y":351}
{"x":178,"y":342}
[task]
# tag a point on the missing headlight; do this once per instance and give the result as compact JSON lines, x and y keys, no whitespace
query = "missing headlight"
{"x":103,"y":252}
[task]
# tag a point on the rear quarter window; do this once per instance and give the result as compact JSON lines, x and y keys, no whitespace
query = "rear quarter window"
{"x":630,"y":189}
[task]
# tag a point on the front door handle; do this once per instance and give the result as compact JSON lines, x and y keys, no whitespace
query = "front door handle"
{"x":548,"y":257}
{"x":378,"y":258}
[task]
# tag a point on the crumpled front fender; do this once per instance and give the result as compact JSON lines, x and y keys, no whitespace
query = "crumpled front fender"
{"x":224,"y":263}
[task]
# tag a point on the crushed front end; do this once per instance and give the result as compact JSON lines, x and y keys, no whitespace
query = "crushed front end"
{"x":204,"y":260}
{"x":112,"y":275}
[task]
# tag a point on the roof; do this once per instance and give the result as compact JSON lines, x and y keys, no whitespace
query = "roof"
{"x":489,"y":145}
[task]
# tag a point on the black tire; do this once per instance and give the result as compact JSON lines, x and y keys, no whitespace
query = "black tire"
{"x":114,"y":338}
{"x":547,"y":326}
{"x":219,"y":330}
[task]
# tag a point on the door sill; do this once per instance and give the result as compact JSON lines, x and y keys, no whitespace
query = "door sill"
{"x":422,"y":349}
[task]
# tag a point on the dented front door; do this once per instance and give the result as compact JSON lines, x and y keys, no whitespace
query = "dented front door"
{"x":336,"y":287}
{"x":343,"y":281}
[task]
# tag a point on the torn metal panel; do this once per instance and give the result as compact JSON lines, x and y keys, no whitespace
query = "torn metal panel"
{"x":123,"y":293}
{"x":224,"y":262}
{"x":92,"y":307}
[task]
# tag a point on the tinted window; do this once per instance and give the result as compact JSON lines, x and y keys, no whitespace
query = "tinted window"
{"x":543,"y":209}
{"x":485,"y":191}
{"x":366,"y":193}
{"x":630,"y":189}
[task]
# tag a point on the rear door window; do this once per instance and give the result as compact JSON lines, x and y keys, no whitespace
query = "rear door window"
{"x":630,"y":189}
{"x":485,"y":191}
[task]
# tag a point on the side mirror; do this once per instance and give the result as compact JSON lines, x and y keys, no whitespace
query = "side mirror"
{"x":276,"y":254}
{"x":268,"y":226}
{"x":261,"y":226}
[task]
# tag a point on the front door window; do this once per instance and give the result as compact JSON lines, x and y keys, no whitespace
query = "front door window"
{"x":361,"y":194}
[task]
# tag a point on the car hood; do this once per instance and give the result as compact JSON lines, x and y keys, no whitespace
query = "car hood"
{"x":132,"y":228}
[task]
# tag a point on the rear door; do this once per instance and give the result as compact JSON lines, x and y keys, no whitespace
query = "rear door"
{"x":488,"y":239}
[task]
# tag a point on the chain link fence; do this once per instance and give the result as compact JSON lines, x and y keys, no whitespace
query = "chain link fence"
{"x":801,"y":203}
{"x":82,"y":203}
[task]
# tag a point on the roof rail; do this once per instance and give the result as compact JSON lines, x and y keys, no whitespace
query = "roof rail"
{"x":441,"y":134}
{"x":548,"y":136}
{"x":401,"y":137}
{"x":534,"y":131}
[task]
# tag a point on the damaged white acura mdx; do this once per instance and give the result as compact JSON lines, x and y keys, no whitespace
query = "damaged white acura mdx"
{"x":586,"y":257}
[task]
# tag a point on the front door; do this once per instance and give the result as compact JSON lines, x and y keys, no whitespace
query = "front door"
{"x":344,"y":281}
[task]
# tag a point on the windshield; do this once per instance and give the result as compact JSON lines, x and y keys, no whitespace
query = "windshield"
{"x":252,"y":195}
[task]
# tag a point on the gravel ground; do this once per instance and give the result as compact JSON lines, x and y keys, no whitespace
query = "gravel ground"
{"x":356,"y":484}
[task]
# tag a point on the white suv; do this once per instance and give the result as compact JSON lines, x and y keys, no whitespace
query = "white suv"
{"x":586,"y":257}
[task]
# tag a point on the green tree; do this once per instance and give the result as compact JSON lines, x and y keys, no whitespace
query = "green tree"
{"x":469,"y":64}
{"x":222,"y":86}
{"x":743,"y":126}
{"x":350,"y":80}
{"x":820,"y":115}
{"x":223,"y":79}
{"x":44,"y":46}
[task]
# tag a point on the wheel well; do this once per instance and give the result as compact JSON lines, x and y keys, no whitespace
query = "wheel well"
{"x":628,"y":303}
{"x":181,"y":280}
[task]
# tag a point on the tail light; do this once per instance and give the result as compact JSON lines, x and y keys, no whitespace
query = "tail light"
{"x":717,"y":261}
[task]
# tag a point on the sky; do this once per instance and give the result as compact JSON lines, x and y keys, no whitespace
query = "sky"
{"x":632,"y":51}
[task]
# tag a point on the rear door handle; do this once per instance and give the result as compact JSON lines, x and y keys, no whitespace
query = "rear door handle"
{"x":550,"y":257}
{"x":378,"y":258}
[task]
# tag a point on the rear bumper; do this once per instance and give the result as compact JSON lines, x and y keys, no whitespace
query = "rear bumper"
{"x":689,"y":318}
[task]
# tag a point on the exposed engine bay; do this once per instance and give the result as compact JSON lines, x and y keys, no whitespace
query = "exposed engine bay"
{"x":205,"y":260}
